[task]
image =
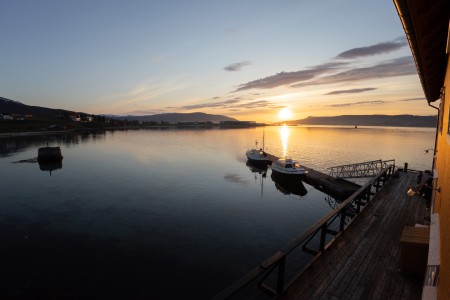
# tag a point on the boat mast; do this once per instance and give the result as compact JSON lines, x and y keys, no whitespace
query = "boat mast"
{"x":263,"y":140}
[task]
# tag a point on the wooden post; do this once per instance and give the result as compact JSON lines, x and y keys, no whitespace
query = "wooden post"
{"x":342,"y":222}
{"x":281,"y":271}
{"x":323,"y":235}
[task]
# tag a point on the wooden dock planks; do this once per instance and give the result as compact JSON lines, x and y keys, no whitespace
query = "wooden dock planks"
{"x":363,"y":262}
{"x":338,"y":188}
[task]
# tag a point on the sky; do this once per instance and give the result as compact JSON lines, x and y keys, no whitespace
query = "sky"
{"x":257,"y":60}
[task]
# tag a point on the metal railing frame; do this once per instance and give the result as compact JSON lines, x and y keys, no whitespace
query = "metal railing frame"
{"x":360,"y":170}
{"x":348,"y":209}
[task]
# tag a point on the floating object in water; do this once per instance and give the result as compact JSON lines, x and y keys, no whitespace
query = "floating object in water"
{"x":49,"y":154}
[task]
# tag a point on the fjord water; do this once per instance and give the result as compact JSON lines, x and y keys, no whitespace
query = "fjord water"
{"x":144,"y":214}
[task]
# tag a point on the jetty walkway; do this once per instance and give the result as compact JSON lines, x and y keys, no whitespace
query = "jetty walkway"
{"x":364,"y":262}
{"x":361,"y":261}
{"x":338,"y":188}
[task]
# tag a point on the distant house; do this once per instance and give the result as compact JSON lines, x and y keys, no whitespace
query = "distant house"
{"x":87,"y":119}
{"x":56,"y":127}
{"x":18,"y":117}
{"x":237,"y":123}
{"x":6,"y":117}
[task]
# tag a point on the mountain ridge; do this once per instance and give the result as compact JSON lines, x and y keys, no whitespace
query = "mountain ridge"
{"x":176,"y":117}
{"x":370,"y":120}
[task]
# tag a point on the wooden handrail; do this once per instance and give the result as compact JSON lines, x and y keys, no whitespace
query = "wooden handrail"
{"x":268,"y":264}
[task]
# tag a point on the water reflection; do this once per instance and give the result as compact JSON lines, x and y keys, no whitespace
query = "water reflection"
{"x":50,"y":166}
{"x":288,"y":187}
{"x":260,"y":169}
{"x":17,"y":144}
{"x":260,"y":173}
{"x":284,"y":133}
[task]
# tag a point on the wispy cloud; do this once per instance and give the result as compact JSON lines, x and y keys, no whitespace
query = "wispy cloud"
{"x":143,"y":112}
{"x":376,"y":49}
{"x":373,"y":102}
{"x":221,"y":104}
{"x":284,"y":78}
{"x":401,"y":66}
{"x":237,"y":66}
{"x":351,"y":91}
{"x":413,"y":99}
{"x":232,"y":104}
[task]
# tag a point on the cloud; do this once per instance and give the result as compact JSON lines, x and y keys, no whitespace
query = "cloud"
{"x":352,"y":91}
{"x":401,"y":66}
{"x":254,"y":104}
{"x":143,"y":112}
{"x":237,"y":66}
{"x":376,"y":102}
{"x":413,"y":99}
{"x":221,"y":104}
{"x":285,"y":78}
{"x":235,"y":104}
{"x":373,"y":49}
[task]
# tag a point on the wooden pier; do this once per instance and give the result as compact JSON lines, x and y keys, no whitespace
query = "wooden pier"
{"x":338,"y":188}
{"x":364,"y":262}
{"x":357,"y":250}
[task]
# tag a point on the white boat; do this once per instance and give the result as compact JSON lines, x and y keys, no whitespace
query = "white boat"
{"x":288,"y":168}
{"x":258,"y":156}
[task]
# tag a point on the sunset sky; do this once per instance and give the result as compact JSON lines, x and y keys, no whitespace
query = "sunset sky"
{"x":249,"y":60}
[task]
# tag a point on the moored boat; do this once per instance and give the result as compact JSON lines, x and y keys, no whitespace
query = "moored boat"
{"x":258,"y":156}
{"x":288,"y":168}
{"x":49,"y":154}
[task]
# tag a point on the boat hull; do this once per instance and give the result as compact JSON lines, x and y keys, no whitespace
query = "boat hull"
{"x":258,"y":159}
{"x":282,"y":175}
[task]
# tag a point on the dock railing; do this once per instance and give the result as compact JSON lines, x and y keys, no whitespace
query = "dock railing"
{"x":275,"y":274}
{"x":360,"y":170}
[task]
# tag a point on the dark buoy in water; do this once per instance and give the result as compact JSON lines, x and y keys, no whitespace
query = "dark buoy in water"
{"x":49,"y":154}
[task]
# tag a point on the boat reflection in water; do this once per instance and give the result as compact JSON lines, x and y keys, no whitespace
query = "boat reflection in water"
{"x":288,"y":187}
{"x":257,"y":168}
{"x":50,"y":166}
{"x":259,"y":171}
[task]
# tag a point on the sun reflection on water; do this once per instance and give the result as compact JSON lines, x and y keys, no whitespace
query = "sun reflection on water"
{"x":284,"y":133}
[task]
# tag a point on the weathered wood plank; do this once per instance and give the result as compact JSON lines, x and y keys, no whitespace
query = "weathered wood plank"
{"x":363,"y":262}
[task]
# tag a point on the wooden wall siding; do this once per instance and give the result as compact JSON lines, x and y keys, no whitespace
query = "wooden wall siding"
{"x":442,"y":203}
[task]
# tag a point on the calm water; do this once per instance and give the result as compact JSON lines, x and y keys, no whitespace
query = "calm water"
{"x":165,"y":213}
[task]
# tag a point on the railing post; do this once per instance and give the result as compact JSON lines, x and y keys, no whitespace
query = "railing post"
{"x":342,"y":221}
{"x":323,"y":235}
{"x":358,"y":204}
{"x":281,"y":271}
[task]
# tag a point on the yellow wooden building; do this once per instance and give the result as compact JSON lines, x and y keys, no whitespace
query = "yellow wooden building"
{"x":426,"y":24}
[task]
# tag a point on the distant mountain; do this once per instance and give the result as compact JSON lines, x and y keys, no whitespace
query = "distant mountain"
{"x":176,"y":118}
{"x":8,"y":106}
{"x":371,"y":120}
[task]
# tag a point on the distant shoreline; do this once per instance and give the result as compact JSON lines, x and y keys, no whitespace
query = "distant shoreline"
{"x":94,"y":130}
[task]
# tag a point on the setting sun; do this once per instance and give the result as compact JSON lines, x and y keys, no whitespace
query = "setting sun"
{"x":285,"y":113}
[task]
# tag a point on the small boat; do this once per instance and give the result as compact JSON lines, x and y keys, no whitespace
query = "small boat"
{"x":49,"y":154}
{"x":288,"y":168}
{"x":258,"y":156}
